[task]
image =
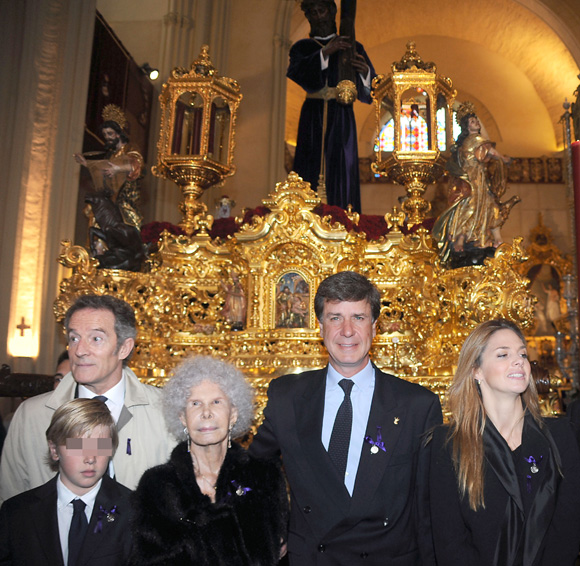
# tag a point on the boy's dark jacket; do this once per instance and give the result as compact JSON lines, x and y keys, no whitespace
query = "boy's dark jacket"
{"x":29,"y":528}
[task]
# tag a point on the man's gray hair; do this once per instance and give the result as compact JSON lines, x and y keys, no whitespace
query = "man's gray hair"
{"x":194,"y":371}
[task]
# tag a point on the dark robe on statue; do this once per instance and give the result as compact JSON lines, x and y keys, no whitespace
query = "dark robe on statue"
{"x":342,"y":176}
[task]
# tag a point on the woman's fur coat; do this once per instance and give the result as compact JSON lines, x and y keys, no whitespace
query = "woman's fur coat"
{"x":177,"y":524}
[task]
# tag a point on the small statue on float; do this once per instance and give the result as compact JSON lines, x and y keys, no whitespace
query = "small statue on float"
{"x":223,"y":207}
{"x":114,"y":233}
{"x":235,"y":306}
{"x":469,"y":230}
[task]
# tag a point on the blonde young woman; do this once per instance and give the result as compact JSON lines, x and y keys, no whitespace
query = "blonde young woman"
{"x":504,"y":483}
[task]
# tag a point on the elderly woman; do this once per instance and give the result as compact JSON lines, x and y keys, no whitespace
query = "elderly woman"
{"x":212,"y":503}
{"x":504,"y":483}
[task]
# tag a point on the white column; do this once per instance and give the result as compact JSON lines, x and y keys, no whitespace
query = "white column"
{"x":42,"y":117}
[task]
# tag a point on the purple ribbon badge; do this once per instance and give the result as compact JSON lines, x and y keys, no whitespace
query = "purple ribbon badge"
{"x":240,"y":490}
{"x":103,"y":513}
{"x":534,"y":464}
{"x":533,"y":468}
{"x":377,"y":444}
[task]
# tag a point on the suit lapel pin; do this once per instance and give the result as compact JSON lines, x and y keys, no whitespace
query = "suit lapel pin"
{"x":108,"y":514}
{"x":396,"y":421}
{"x":377,"y":444}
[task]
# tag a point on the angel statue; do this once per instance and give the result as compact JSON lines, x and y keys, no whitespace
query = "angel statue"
{"x":469,"y":230}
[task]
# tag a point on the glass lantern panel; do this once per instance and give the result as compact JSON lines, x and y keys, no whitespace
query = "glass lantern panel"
{"x":219,"y":132}
{"x":441,"y":130}
{"x":188,"y":124}
{"x":386,"y":140}
{"x":456,"y":126}
{"x":414,"y":121}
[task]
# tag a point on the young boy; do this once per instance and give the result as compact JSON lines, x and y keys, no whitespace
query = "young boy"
{"x":81,"y":516}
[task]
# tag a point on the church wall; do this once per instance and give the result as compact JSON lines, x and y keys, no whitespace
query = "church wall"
{"x":251,"y":53}
{"x":549,"y":200}
{"x":52,"y":40}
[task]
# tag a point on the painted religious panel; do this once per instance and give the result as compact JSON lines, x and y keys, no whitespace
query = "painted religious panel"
{"x":292,"y":301}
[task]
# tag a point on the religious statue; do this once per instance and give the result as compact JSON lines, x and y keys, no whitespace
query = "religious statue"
{"x":326,"y":147}
{"x":223,"y":207}
{"x":469,"y":230}
{"x":283,"y":307}
{"x":234,"y":310}
{"x":115,"y":236}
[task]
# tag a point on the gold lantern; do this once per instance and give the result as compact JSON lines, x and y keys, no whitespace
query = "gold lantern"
{"x":413,"y":94}
{"x":196,"y":144}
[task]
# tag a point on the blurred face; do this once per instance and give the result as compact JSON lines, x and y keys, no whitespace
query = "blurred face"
{"x":83,"y":461}
{"x":96,"y":359}
{"x":209,"y":415}
{"x":505,"y":368}
{"x":348,"y":329}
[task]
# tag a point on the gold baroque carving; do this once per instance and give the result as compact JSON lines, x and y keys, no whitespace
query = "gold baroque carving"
{"x":426,"y":311}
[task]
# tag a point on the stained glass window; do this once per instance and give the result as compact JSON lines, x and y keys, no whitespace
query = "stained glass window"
{"x":414,"y":135}
{"x":387,"y":137}
{"x":441,"y":141}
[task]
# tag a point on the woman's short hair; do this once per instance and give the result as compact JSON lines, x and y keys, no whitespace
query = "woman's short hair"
{"x":194,"y":371}
{"x":76,"y":419}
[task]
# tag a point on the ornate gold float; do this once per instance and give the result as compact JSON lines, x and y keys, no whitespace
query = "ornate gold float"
{"x":426,"y":311}
{"x":275,"y":262}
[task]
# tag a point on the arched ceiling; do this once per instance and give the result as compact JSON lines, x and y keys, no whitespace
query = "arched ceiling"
{"x":515,"y":60}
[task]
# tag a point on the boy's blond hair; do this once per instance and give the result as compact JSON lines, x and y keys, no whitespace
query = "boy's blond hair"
{"x":77,"y":418}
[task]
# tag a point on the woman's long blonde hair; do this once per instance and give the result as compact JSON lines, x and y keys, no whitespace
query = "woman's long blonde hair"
{"x":467,"y":420}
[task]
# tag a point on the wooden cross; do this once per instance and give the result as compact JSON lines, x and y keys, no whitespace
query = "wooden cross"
{"x":22,"y":327}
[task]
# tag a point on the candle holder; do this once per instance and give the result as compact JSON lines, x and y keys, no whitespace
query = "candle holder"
{"x":413,"y":94}
{"x":196,"y":144}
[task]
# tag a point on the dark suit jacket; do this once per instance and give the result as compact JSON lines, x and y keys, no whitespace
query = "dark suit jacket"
{"x":573,"y":412}
{"x":29,"y":528}
{"x":382,"y":522}
{"x":466,"y":537}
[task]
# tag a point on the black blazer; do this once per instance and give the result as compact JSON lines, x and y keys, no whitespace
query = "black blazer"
{"x":463,"y":536}
{"x":29,"y":528}
{"x":382,"y":522}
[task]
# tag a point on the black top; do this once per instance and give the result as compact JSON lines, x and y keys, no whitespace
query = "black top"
{"x":532,"y":512}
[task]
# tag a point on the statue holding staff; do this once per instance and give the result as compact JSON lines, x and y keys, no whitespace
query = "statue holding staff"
{"x":326,"y":147}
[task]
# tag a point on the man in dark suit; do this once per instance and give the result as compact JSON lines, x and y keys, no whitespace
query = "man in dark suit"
{"x":81,"y":516}
{"x":363,"y":503}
